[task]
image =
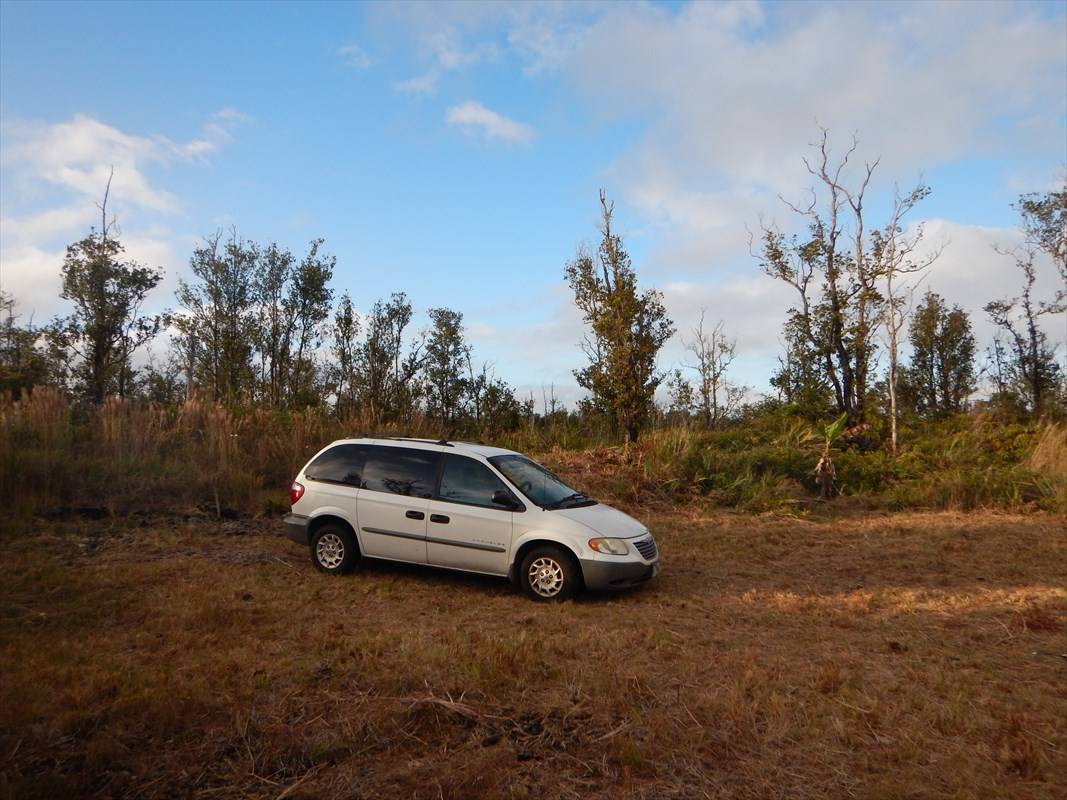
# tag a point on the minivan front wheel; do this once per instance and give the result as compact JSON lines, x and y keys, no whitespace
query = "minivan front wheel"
{"x":334,"y":549}
{"x":548,"y":574}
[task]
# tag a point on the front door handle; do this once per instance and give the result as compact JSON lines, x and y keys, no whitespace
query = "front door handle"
{"x":439,"y":518}
{"x":415,"y":515}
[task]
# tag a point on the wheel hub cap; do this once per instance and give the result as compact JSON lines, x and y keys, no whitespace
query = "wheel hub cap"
{"x":330,"y":551}
{"x":546,"y":576}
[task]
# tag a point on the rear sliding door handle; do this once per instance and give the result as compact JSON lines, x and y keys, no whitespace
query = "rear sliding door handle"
{"x":439,"y":518}
{"x":415,"y":515}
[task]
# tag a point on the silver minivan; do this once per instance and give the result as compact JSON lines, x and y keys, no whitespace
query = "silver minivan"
{"x":467,"y":507}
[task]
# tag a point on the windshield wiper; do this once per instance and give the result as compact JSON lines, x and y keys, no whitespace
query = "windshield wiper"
{"x":567,"y":499}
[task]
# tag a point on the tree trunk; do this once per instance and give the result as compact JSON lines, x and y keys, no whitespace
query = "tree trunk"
{"x":893,"y":393}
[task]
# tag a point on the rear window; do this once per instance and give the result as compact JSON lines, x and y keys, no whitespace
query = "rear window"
{"x":340,"y":464}
{"x":400,"y":470}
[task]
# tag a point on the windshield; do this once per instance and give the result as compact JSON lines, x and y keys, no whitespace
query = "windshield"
{"x":538,"y":484}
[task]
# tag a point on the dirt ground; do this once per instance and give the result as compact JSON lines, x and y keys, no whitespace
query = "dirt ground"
{"x":900,"y":656}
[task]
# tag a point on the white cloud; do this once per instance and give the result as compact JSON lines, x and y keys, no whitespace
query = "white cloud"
{"x":47,"y":225}
{"x":78,"y":155}
{"x":31,"y":275}
{"x":230,"y":114}
{"x":53,"y":177}
{"x":420,"y":84}
{"x":354,"y":56}
{"x":217,"y":132}
{"x":731,"y":98}
{"x":437,"y":30}
{"x":970,"y":273}
{"x":739,"y":97}
{"x":473,"y":116}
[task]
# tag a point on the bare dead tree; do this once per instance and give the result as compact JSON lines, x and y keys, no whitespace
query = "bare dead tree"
{"x":105,"y":226}
{"x":894,"y":260}
{"x":839,"y":322}
{"x":713,"y":353}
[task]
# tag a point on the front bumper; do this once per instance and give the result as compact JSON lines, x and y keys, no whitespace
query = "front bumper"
{"x":296,"y":527}
{"x":605,"y":575}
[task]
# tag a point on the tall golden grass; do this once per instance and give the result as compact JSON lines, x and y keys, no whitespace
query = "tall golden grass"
{"x":132,"y":455}
{"x":1050,"y":454}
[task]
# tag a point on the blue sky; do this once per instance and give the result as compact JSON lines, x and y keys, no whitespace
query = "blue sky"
{"x":454,"y":151}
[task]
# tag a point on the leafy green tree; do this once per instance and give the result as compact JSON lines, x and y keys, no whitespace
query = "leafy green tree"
{"x":836,"y":280}
{"x":387,"y":373}
{"x":292,"y":305}
{"x":1028,"y":364}
{"x":1044,"y":223}
{"x":681,"y":399}
{"x":942,"y":371}
{"x":161,"y":379}
{"x":492,"y":402}
{"x":98,"y":338}
{"x":801,"y":375}
{"x":219,"y":323}
{"x":308,"y":308}
{"x":502,"y":411}
{"x":23,"y":364}
{"x":274,"y":268}
{"x":345,"y":348}
{"x":1026,"y":361}
{"x":447,"y":356}
{"x":628,"y":328}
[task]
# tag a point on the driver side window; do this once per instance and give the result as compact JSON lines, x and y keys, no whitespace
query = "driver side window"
{"x":464,"y":480}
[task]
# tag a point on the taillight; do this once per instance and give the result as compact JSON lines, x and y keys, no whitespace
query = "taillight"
{"x":296,"y":491}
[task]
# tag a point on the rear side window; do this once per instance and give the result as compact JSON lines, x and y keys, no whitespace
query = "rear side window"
{"x":465,"y":480}
{"x":399,"y":470}
{"x":340,"y":464}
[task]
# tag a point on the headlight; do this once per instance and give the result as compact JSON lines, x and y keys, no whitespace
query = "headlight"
{"x":614,"y":547}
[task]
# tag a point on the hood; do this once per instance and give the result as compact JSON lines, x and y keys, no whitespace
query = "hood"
{"x":605,"y":520}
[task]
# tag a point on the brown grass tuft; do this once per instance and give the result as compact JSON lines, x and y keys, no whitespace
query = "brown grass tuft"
{"x":1050,"y":453}
{"x":1036,"y":618}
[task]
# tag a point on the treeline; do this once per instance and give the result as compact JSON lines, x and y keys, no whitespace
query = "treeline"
{"x":855,"y":284}
{"x":255,"y":325}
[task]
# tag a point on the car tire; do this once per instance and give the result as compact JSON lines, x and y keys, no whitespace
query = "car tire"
{"x":334,"y":549}
{"x":549,"y":574}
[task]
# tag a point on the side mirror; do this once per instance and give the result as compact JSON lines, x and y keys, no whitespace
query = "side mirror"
{"x":502,"y":497}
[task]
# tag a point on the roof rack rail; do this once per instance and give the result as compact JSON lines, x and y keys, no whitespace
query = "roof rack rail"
{"x":399,"y":437}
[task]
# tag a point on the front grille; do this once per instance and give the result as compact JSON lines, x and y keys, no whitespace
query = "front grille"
{"x":647,"y":548}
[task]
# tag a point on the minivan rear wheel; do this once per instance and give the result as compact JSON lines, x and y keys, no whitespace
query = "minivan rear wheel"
{"x":549,"y":574}
{"x":334,"y":549}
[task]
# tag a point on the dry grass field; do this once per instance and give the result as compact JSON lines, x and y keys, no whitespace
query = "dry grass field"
{"x":895,"y":656}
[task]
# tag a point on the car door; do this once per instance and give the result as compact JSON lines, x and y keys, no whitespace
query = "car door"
{"x":466,"y":529}
{"x":397,"y":485}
